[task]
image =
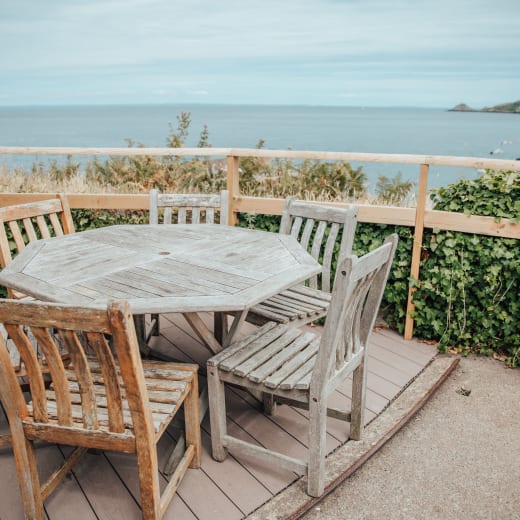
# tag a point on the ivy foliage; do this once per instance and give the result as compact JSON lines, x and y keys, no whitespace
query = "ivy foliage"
{"x":467,"y":297}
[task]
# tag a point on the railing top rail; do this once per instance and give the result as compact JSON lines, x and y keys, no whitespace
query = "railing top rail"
{"x":433,"y":160}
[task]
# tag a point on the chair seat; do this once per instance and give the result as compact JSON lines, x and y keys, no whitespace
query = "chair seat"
{"x":275,"y":358}
{"x":167,"y":385}
{"x":298,"y":304}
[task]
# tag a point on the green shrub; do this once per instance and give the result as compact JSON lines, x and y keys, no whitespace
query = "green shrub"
{"x":467,"y":297}
{"x":85,"y":219}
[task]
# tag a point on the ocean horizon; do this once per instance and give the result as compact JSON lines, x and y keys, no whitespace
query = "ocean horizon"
{"x":396,"y":130}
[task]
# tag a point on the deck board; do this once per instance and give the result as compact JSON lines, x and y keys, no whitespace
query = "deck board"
{"x":105,"y":485}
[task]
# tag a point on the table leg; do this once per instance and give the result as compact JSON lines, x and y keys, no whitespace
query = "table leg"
{"x":220,"y":326}
{"x":202,"y":331}
{"x":140,"y":329}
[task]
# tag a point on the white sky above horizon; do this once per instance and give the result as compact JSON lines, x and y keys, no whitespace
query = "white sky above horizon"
{"x":331,"y":52}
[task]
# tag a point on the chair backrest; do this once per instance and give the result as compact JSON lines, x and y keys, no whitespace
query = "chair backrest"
{"x":202,"y":207}
{"x":317,"y":229}
{"x":357,"y":294}
{"x":74,"y":407}
{"x":32,"y":221}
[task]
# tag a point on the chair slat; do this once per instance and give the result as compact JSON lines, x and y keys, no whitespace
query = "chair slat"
{"x":328,"y":254}
{"x":32,"y":367}
{"x":282,"y":361}
{"x":17,"y":237}
{"x":307,"y":233}
{"x":253,"y":347}
{"x":29,"y":229}
{"x":84,"y":378}
{"x":111,"y":384}
{"x":302,"y":371}
{"x":42,"y":226}
{"x":265,"y":353}
{"x":56,"y":225}
{"x":54,"y":362}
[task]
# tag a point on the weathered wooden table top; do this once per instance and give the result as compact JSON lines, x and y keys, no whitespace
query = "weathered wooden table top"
{"x":161,"y":268}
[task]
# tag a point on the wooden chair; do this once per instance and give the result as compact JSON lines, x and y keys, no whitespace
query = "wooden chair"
{"x":107,"y":399}
{"x":202,"y":207}
{"x":32,"y":221}
{"x":26,"y":223}
{"x":301,"y":369}
{"x":317,"y":228}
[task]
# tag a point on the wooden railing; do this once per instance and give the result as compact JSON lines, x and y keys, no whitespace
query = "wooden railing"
{"x":419,"y":217}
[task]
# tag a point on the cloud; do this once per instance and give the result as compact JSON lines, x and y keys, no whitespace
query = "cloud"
{"x":197,"y":48}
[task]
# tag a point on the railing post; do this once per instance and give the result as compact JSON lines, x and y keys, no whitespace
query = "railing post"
{"x":417,"y":245}
{"x":232,"y":187}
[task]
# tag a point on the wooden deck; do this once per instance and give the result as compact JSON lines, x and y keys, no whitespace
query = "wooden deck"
{"x":105,"y":485}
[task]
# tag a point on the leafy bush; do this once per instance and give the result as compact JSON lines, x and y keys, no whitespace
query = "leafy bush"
{"x":467,"y":297}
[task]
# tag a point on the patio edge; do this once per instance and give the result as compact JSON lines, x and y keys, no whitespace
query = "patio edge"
{"x":293,"y":502}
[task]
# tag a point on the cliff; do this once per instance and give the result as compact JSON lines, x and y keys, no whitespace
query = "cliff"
{"x":509,"y":108}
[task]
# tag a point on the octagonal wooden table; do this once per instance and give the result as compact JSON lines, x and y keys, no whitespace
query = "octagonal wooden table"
{"x":186,"y":269}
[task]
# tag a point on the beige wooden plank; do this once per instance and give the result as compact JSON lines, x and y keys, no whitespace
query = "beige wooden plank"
{"x":393,"y":360}
{"x":235,"y":481}
{"x":390,"y":374}
{"x":210,"y":504}
{"x":108,"y":495}
{"x":58,"y":505}
{"x":125,"y":468}
{"x":379,"y":392}
{"x":10,"y":499}
{"x":451,"y":221}
{"x":413,"y":349}
{"x":275,"y":481}
{"x":291,"y":421}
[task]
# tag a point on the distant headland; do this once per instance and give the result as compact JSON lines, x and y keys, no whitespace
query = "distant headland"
{"x":507,"y":108}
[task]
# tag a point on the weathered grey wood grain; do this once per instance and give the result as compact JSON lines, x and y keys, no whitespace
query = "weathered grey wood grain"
{"x":317,"y":229}
{"x":181,"y":268}
{"x":197,"y":203}
{"x":281,"y":361}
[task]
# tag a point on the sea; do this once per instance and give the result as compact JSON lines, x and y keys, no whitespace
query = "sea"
{"x":429,"y":131}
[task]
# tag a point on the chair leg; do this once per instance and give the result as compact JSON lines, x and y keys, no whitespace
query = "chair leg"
{"x":140,"y":329}
{"x":149,"y":482}
{"x":357,"y":420}
{"x":217,"y":413}
{"x":192,"y":421}
{"x":29,"y":482}
{"x":269,"y":403}
{"x":317,"y":447}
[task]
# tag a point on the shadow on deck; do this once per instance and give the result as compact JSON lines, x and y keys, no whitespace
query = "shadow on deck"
{"x":105,"y":485}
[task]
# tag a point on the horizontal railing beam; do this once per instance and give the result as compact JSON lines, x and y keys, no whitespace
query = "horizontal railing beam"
{"x":444,"y":220}
{"x":432,"y":160}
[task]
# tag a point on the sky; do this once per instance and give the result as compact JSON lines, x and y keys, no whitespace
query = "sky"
{"x":329,"y":52}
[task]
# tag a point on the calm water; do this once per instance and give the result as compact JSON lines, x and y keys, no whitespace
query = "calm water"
{"x":384,"y":130}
